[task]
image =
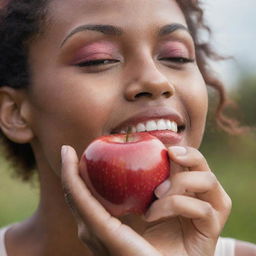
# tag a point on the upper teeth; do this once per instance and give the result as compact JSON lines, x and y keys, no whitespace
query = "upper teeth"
{"x":153,"y":125}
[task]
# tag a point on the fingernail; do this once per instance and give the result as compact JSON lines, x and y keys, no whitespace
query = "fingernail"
{"x":178,"y":151}
{"x":64,"y":150}
{"x":162,"y":189}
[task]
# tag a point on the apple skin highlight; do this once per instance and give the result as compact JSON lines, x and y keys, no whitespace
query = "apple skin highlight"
{"x":122,"y":174}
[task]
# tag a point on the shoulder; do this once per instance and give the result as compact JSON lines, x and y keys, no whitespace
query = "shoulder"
{"x":243,"y":248}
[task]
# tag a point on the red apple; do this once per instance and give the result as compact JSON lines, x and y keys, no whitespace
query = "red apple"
{"x":123,"y":174}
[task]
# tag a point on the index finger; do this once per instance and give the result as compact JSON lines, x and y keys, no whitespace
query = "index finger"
{"x":189,"y":157}
{"x":206,"y":187}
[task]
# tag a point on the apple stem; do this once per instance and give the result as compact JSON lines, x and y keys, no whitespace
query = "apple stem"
{"x":129,"y":131}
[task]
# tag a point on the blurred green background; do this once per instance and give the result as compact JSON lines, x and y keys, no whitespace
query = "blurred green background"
{"x":232,"y":158}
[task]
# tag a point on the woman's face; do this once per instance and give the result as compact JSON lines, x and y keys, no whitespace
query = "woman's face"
{"x":102,"y":66}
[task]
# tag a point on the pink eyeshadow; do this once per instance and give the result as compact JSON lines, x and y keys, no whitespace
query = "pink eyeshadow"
{"x":174,"y":49}
{"x":97,"y":48}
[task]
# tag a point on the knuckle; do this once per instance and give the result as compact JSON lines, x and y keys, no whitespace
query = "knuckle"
{"x":200,"y":160}
{"x":207,"y":210}
{"x":212,"y":180}
{"x":64,"y":184}
{"x":82,"y":234}
{"x":174,"y":201}
{"x":70,"y":202}
{"x":227,"y":203}
{"x":198,"y":156}
{"x":68,"y":197}
{"x":165,"y":207}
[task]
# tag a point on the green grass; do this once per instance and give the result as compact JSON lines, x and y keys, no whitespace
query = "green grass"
{"x":234,"y":164}
{"x":241,"y":186}
{"x":18,"y":200}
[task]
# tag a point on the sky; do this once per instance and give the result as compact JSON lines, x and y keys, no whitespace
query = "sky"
{"x":234,"y":28}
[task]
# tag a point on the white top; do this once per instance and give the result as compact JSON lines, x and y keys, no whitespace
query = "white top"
{"x":225,"y":246}
{"x":2,"y":241}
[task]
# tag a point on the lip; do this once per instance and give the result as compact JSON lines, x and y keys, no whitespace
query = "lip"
{"x":167,"y":137}
{"x":149,"y":114}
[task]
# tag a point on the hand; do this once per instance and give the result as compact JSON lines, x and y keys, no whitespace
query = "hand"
{"x":102,"y":233}
{"x":198,"y":201}
{"x":186,"y":219}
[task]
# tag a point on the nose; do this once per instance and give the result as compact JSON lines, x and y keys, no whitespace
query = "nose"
{"x":146,"y":81}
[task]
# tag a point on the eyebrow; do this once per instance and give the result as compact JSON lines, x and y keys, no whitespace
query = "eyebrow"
{"x":117,"y":31}
{"x":170,"y":28}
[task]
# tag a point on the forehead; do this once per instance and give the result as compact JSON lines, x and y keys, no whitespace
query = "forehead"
{"x":70,"y":13}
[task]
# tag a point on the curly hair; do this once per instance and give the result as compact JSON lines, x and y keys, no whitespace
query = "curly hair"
{"x":21,"y":20}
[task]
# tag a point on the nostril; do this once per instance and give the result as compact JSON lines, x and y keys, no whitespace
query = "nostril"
{"x":143,"y":94}
{"x":167,"y":94}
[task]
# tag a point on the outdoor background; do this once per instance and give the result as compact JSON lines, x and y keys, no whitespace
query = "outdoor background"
{"x":232,"y":158}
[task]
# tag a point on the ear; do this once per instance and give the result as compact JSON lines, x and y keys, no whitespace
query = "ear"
{"x":14,"y":115}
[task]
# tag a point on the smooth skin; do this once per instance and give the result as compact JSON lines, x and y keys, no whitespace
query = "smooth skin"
{"x":71,"y":103}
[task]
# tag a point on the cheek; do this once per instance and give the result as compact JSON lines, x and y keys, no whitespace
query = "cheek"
{"x":195,"y":100}
{"x":69,"y":111}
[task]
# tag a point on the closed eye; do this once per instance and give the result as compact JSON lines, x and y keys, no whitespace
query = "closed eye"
{"x":99,"y":62}
{"x":178,"y":60}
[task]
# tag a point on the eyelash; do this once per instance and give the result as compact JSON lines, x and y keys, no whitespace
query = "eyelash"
{"x":97,"y":62}
{"x":100,"y":62}
{"x":178,"y":60}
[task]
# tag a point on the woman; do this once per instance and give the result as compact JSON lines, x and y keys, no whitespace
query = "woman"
{"x":72,"y":71}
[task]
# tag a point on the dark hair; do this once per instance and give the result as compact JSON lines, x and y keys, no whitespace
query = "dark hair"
{"x":21,"y":20}
{"x":194,"y":15}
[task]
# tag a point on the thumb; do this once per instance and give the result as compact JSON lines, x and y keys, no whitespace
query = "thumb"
{"x":98,"y":220}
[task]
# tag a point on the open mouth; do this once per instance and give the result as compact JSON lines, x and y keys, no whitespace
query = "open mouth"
{"x":150,"y":126}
